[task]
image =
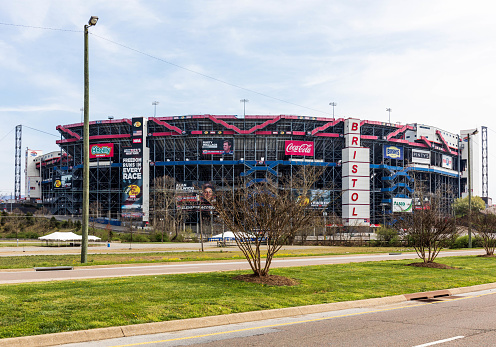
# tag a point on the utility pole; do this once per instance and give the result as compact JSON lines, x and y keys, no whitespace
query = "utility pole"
{"x":469,"y":167}
{"x":86,"y":145}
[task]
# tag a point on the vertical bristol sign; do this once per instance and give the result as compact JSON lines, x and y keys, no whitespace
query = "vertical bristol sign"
{"x":356,"y":177}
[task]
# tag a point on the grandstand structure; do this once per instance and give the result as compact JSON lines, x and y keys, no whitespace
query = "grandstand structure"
{"x":370,"y":167}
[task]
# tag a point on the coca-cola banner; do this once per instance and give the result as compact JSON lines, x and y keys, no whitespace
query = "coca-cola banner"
{"x":299,"y":148}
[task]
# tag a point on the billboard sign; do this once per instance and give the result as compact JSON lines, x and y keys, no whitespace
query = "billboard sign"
{"x":102,"y":150}
{"x":447,"y":162}
{"x":421,"y":157}
{"x":132,"y":179}
{"x":62,"y":182}
{"x":320,"y":198}
{"x":195,"y":195}
{"x":304,"y":148}
{"x":393,"y":152}
{"x":402,"y":205}
{"x":218,"y":146}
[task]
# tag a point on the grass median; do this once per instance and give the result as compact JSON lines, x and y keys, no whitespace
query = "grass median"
{"x":50,"y":307}
{"x":31,"y":261}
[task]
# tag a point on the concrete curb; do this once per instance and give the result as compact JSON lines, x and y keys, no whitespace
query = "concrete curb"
{"x":204,"y":322}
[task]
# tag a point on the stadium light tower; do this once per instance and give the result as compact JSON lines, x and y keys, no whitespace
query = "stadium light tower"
{"x":389,"y":111}
{"x":86,"y":145}
{"x":155,"y":103}
{"x":333,"y":104}
{"x":244,"y":101}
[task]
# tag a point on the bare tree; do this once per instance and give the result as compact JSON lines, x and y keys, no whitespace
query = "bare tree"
{"x":485,"y":225}
{"x":267,"y":214}
{"x":163,"y":202}
{"x":427,"y":227}
{"x":42,"y":221}
{"x":16,"y":220}
{"x":95,"y":210}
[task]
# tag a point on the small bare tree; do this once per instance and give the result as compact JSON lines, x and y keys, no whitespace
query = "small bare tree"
{"x":95,"y":210}
{"x":42,"y":221}
{"x":267,"y":214}
{"x":427,"y":227}
{"x":16,"y":220}
{"x":485,"y":225}
{"x":163,"y":201}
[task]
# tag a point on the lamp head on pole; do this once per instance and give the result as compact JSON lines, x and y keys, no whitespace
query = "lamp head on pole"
{"x":93,"y":20}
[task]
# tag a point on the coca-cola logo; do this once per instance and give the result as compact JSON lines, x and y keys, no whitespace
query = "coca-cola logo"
{"x":299,"y":148}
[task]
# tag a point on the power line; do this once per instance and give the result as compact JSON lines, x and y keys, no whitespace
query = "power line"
{"x":170,"y":63}
{"x":204,"y":75}
{"x":41,"y":131}
{"x":173,"y":64}
{"x":7,"y":134}
{"x":42,"y":28}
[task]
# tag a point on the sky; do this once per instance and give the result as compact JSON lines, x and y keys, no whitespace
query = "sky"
{"x":432,"y":62}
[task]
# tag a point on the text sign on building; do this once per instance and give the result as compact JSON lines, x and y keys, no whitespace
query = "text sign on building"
{"x":217,"y":146}
{"x":402,"y":205}
{"x":102,"y":150}
{"x":393,"y":152}
{"x":421,"y":157}
{"x":304,"y":148}
{"x":356,"y":177}
{"x":447,"y":162}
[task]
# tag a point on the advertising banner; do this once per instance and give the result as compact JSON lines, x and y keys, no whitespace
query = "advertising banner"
{"x":393,"y":152}
{"x":402,"y":205}
{"x":447,"y":162}
{"x":421,"y":157}
{"x":102,"y":150}
{"x":218,"y":146}
{"x":320,"y":198}
{"x":132,"y":173}
{"x":132,"y":179}
{"x":62,"y":182}
{"x":304,"y":148}
{"x":195,"y":195}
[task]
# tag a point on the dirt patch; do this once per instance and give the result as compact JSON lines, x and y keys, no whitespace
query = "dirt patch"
{"x":432,"y":265}
{"x":271,"y":280}
{"x":487,"y":256}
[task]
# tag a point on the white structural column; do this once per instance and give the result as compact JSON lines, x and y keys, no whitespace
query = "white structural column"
{"x":356,"y":177}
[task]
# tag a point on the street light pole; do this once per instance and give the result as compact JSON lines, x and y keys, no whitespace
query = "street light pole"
{"x":389,"y":111}
{"x":86,"y":145}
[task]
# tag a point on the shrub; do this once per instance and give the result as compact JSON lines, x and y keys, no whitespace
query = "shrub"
{"x":157,"y":237}
{"x":462,"y":242}
{"x":387,"y":237}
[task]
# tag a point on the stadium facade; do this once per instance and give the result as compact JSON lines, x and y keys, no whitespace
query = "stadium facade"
{"x":370,"y":167}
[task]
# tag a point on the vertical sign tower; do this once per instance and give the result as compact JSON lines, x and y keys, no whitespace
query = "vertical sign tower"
{"x":356,"y":177}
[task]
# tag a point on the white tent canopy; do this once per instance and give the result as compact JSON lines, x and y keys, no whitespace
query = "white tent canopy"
{"x":228,"y":235}
{"x":66,"y":236}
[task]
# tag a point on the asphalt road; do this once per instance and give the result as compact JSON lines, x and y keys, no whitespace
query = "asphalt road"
{"x":29,"y":275}
{"x":464,"y":320}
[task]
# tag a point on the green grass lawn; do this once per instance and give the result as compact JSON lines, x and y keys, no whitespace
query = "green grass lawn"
{"x":49,"y":307}
{"x":164,"y":257}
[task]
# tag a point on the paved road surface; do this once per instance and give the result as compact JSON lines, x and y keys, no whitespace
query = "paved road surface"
{"x":467,"y":320}
{"x":29,"y":275}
